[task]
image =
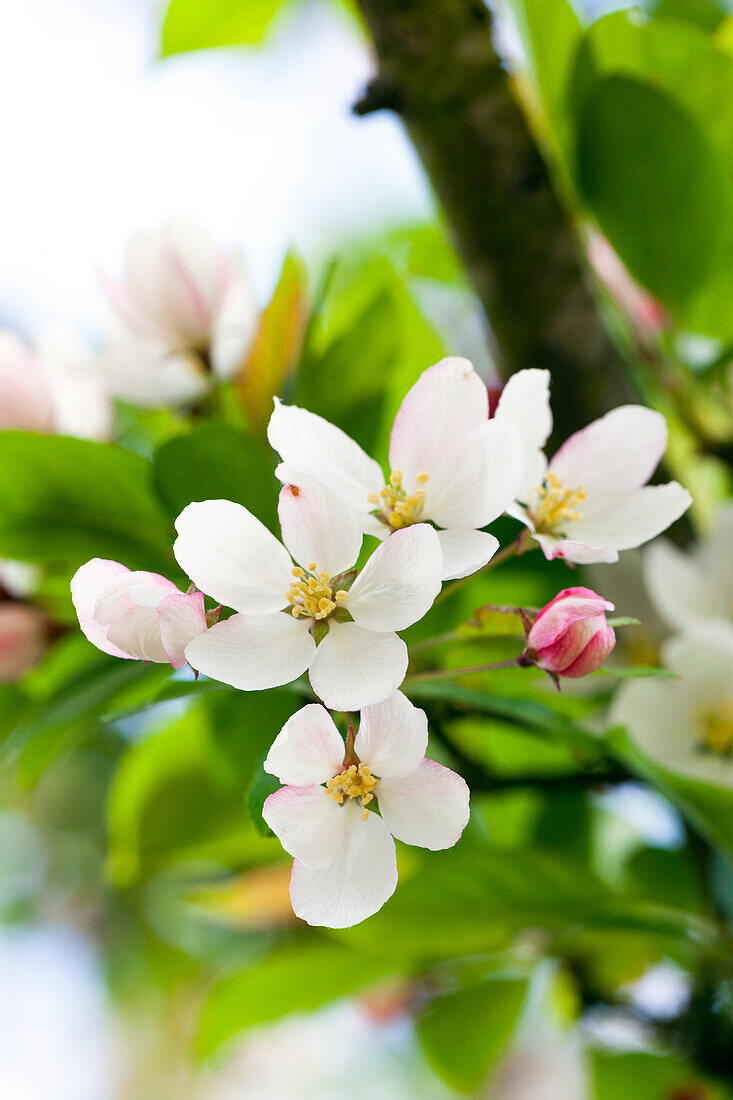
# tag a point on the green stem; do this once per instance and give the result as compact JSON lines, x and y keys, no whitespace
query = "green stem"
{"x":440,"y":673}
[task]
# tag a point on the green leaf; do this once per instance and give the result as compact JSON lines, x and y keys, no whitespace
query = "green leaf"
{"x":300,"y":979}
{"x":215,"y":462}
{"x":262,"y":786}
{"x":652,"y":1076}
{"x":464,"y":1034}
{"x":657,"y":186}
{"x":706,"y":14}
{"x":201,"y":24}
{"x":638,"y":672}
{"x":64,"y":500}
{"x":277,"y":345}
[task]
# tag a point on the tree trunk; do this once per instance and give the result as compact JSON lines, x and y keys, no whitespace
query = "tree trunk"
{"x":439,"y":71}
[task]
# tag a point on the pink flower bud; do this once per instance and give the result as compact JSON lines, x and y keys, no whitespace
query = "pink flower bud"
{"x":23,"y":638}
{"x":570,"y":636}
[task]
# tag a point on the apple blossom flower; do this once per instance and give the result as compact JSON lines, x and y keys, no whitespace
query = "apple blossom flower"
{"x":183,"y":312}
{"x":55,"y":387}
{"x":450,"y":464}
{"x":591,"y":500}
{"x":345,"y":866}
{"x":24,"y":636}
{"x":136,"y":615}
{"x":313,"y":615}
{"x":693,"y":589}
{"x":686,"y":724}
{"x":570,"y":636}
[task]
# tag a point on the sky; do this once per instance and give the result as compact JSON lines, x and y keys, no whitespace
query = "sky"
{"x":104,"y":139}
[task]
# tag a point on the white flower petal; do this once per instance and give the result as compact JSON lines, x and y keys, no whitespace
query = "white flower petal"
{"x":579,"y":552}
{"x":398,"y":584}
{"x":465,"y":551}
{"x":308,"y":749}
{"x":312,"y":447}
{"x":235,"y":319}
{"x":180,"y":618}
{"x":230,"y":555}
{"x":642,"y":516}
{"x":428,"y":808}
{"x":137,"y":633}
{"x":615,"y":454}
{"x":354,"y":667}
{"x":447,"y":402}
{"x":703,"y":657}
{"x":678,"y":587}
{"x":309,"y":824}
{"x":392,"y":737}
{"x":89,"y":580}
{"x":319,"y":526}
{"x":525,"y":400}
{"x":147,"y":371}
{"x":357,"y":883}
{"x":253,"y":652}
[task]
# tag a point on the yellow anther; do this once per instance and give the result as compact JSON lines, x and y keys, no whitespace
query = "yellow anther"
{"x":298,"y":572}
{"x":400,"y":509}
{"x":373,"y":498}
{"x":556,"y":506}
{"x":341,"y":594}
{"x":356,"y":781}
{"x":311,"y":595}
{"x":312,"y":567}
{"x":395,"y":478}
{"x":716,"y":728}
{"x":422,"y":477}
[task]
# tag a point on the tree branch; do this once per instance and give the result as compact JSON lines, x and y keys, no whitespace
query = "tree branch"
{"x":439,"y":71}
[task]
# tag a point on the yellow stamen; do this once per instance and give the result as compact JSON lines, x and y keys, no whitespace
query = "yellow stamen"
{"x":356,"y":781}
{"x":716,"y":728}
{"x":399,"y":508}
{"x":311,"y":594}
{"x":556,"y":506}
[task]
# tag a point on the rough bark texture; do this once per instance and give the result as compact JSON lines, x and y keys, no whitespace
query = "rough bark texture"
{"x":438,"y":69}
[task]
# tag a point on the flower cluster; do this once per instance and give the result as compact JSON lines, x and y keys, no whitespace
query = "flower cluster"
{"x":318,"y":602}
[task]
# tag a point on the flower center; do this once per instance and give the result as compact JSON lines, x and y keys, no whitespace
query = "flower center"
{"x":356,"y":781}
{"x":396,"y":507}
{"x":716,"y":729}
{"x":555,"y":505}
{"x":311,"y":593}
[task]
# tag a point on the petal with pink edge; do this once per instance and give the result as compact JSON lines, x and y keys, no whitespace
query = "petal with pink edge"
{"x":308,"y":749}
{"x":230,"y":555}
{"x":615,"y":454}
{"x":447,"y":402}
{"x":392,"y":737}
{"x":358,"y":882}
{"x":253,"y":652}
{"x":399,"y":583}
{"x":309,"y":824}
{"x":86,"y":584}
{"x":319,"y":526}
{"x":137,"y":632}
{"x":353,"y":667}
{"x":312,"y":447}
{"x":180,"y":618}
{"x":428,"y":808}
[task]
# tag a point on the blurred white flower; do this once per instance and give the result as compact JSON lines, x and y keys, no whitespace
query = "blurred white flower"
{"x":345,"y":865}
{"x":686,"y":724}
{"x":182,"y":314}
{"x":546,"y":1065}
{"x":694,"y":589}
{"x":591,"y":500}
{"x":54,"y":387}
{"x":450,"y":464}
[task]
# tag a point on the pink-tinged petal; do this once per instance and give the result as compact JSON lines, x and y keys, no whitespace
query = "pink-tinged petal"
{"x":309,"y":824}
{"x":308,"y":749}
{"x":135,"y":589}
{"x":319,"y":526}
{"x":399,"y":583}
{"x":525,"y":401}
{"x":235,"y":319}
{"x":358,"y":882}
{"x":137,"y":633}
{"x":569,"y":645}
{"x":180,"y":618}
{"x":568,"y":607}
{"x":428,"y":808}
{"x":465,"y":551}
{"x":25,"y":402}
{"x":479,"y":478}
{"x":230,"y":555}
{"x":392,"y":737}
{"x":615,"y":454}
{"x":447,"y":402}
{"x":312,"y":447}
{"x":594,"y":654}
{"x":354,"y":668}
{"x":253,"y":652}
{"x":642,"y":516}
{"x":89,"y":580}
{"x":572,"y":550}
